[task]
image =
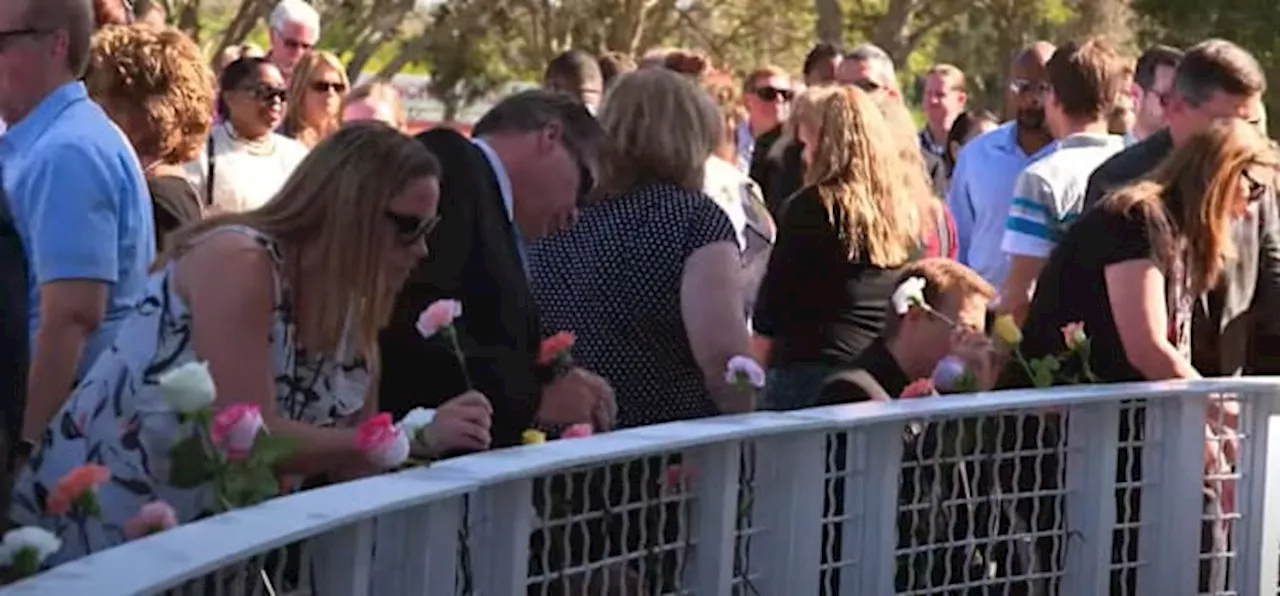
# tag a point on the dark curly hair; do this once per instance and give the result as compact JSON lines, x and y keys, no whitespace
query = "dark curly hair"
{"x":155,"y":84}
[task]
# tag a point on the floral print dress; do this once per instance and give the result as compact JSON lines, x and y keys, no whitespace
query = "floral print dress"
{"x":118,"y":418}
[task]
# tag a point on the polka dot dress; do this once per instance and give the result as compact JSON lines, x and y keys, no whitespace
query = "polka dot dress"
{"x":614,"y":281}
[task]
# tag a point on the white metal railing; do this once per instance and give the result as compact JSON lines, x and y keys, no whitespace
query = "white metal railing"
{"x":1076,"y":490}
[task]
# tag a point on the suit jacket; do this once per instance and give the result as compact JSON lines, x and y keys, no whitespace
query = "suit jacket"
{"x":1227,"y":337}
{"x":473,"y":258}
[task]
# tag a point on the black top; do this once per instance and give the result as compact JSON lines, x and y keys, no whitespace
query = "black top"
{"x":14,"y":300}
{"x":779,"y":178}
{"x":1072,"y":287}
{"x":816,"y":305}
{"x":614,"y":281}
{"x":473,"y":259}
{"x":1127,"y":166}
{"x":174,"y":203}
{"x":877,"y":362}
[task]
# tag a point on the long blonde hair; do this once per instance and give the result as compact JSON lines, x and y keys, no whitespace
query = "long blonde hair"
{"x":295,"y":124}
{"x":333,"y":206}
{"x":1188,"y":200}
{"x":804,"y":110}
{"x":856,"y":171}
{"x":914,"y":172}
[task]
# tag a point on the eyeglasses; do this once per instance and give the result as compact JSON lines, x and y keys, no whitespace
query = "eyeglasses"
{"x":7,"y":37}
{"x":295,"y":44}
{"x":326,"y":87}
{"x":772,"y":94}
{"x":868,"y":85}
{"x":1021,"y":86}
{"x":409,"y":229}
{"x":267,"y":93}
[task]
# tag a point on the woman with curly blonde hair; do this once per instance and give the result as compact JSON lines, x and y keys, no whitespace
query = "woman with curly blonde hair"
{"x":314,"y":105}
{"x":154,"y":83}
{"x":840,"y":242}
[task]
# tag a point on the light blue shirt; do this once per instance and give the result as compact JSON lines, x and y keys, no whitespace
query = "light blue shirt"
{"x":508,"y":201}
{"x":80,"y":204}
{"x":980,"y":195}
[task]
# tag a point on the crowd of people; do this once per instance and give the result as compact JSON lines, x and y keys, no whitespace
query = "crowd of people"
{"x":264,"y":216}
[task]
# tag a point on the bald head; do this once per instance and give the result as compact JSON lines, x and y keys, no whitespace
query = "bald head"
{"x":75,"y":18}
{"x":1033,"y":56}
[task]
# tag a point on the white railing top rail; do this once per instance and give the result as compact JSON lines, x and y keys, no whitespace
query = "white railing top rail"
{"x":190,"y":551}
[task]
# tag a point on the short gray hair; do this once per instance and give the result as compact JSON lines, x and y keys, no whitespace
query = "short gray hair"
{"x":872,"y":53}
{"x":294,"y":11}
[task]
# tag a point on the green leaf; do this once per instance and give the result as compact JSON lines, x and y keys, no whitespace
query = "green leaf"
{"x":189,"y":464}
{"x":269,"y":450}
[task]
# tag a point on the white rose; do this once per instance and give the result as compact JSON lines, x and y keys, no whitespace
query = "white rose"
{"x":188,"y":388}
{"x":416,"y":420}
{"x":38,"y":540}
{"x":909,"y":293}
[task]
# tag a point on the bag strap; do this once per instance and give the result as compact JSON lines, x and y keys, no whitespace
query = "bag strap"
{"x":208,"y":179}
{"x":864,"y":381}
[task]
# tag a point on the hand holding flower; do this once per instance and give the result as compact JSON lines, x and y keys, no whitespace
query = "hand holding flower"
{"x":460,"y":424}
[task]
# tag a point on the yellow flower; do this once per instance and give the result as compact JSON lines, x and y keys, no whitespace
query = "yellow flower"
{"x":533,"y":437}
{"x":1007,"y":330}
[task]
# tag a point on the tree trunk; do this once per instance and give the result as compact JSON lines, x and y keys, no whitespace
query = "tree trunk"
{"x":246,"y":18}
{"x":830,"y":22}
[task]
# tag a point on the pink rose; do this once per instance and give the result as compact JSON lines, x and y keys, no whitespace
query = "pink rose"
{"x":919,"y":388}
{"x":382,"y":442}
{"x":577,"y":431}
{"x":437,"y":316}
{"x":235,"y":429}
{"x":156,"y":516}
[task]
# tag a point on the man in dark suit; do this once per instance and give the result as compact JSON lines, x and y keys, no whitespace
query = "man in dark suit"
{"x":519,"y":178}
{"x":1217,"y":79}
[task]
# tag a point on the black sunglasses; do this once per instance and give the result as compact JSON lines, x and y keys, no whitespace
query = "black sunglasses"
{"x":1257,"y":190}
{"x":267,"y":93}
{"x":326,"y":86}
{"x":773,"y":93}
{"x":409,"y":229}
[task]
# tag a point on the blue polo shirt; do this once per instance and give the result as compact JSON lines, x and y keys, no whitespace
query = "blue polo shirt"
{"x":980,"y":195}
{"x":80,"y":204}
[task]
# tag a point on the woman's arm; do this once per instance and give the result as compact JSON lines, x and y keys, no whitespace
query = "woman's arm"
{"x":1136,"y":292}
{"x":227,"y":281}
{"x":711,"y":306}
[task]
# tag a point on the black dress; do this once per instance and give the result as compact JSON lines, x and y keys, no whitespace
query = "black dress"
{"x":614,"y":281}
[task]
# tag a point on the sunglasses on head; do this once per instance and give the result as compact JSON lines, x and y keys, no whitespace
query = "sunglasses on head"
{"x":774,"y":93}
{"x":267,"y":93}
{"x":410,"y":229}
{"x":327,"y":86}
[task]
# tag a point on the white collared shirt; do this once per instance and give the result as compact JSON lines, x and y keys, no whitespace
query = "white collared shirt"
{"x":504,"y":188}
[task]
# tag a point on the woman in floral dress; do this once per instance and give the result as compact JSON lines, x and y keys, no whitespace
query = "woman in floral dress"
{"x":284,"y":303}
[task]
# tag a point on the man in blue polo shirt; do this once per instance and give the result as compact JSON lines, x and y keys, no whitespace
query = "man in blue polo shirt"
{"x":77,"y":197}
{"x":982,"y":184}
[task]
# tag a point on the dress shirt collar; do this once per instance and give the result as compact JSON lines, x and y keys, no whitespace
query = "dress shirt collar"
{"x":504,"y":180}
{"x":25,"y":132}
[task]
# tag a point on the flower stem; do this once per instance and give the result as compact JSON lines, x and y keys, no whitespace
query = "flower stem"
{"x":457,"y":353}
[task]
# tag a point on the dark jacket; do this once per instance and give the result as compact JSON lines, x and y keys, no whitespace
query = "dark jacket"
{"x":14,"y":299}
{"x":474,"y":259}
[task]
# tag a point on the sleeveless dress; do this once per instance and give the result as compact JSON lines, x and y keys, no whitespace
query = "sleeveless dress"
{"x":117,"y":417}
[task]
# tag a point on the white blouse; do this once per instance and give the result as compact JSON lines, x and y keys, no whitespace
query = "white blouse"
{"x":245,"y":175}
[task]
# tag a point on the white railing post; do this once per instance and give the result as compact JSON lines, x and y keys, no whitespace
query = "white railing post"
{"x":1172,"y":499}
{"x":787,"y":512}
{"x":1093,"y":433}
{"x":1256,"y":538}
{"x":714,"y":516}
{"x":416,"y":550}
{"x":341,"y":560}
{"x":870,"y":535}
{"x":500,"y":544}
